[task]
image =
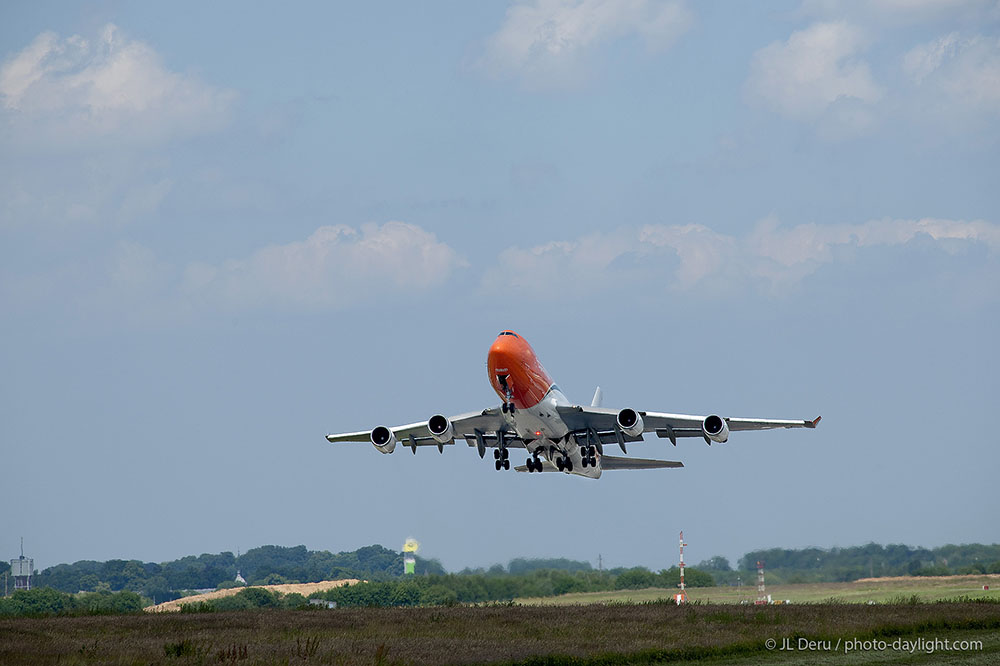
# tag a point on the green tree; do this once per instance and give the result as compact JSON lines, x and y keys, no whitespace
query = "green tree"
{"x":635,"y":579}
{"x":717,"y":563}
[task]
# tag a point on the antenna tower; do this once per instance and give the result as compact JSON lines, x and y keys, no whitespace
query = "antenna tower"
{"x":682,"y":597}
{"x":761,"y":593}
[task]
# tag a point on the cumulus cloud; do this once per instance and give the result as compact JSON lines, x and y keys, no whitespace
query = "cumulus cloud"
{"x":73,"y":89}
{"x":817,"y":74}
{"x":685,"y":257}
{"x":957,"y":73}
{"x":547,"y":42}
{"x":334,"y":267}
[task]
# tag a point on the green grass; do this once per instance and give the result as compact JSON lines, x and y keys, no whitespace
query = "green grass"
{"x":925,"y":589}
{"x":597,"y":635}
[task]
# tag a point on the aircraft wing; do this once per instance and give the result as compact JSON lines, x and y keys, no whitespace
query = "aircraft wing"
{"x":604,"y":423}
{"x":474,"y":427}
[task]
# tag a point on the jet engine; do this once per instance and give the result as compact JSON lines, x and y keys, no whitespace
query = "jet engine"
{"x":630,"y":422}
{"x":441,"y":429}
{"x":383,"y":439}
{"x":715,"y":428}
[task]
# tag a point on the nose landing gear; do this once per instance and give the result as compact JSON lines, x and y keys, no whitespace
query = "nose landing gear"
{"x":508,"y":406}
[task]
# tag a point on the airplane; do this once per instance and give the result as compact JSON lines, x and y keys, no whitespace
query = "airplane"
{"x":557,"y":435}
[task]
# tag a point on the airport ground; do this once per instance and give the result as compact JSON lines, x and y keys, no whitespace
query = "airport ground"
{"x":517,"y":633}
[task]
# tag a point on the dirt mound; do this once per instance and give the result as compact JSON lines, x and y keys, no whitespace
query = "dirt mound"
{"x":305,"y":589}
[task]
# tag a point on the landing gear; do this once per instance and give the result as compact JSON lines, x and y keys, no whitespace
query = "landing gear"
{"x":508,"y":406}
{"x":502,"y":457}
{"x":533,"y":464}
{"x":564,"y":464}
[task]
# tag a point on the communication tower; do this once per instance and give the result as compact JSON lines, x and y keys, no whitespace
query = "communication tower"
{"x":410,"y":556}
{"x":21,"y":570}
{"x":682,"y":597}
{"x":761,"y":593}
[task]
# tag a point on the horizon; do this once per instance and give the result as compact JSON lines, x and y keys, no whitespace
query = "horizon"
{"x":733,"y":561}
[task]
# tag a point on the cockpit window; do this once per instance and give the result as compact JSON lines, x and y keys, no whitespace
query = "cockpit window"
{"x":503,"y":333}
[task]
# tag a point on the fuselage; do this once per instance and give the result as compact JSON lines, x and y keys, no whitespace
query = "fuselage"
{"x":520,"y":380}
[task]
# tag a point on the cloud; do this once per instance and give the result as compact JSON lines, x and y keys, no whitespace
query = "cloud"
{"x":335,"y":267}
{"x":693,"y":256}
{"x":957,"y":74}
{"x":70,"y":90}
{"x":547,"y":42}
{"x":817,"y":74}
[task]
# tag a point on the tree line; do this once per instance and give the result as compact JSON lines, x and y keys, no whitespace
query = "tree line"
{"x":277,"y":564}
{"x":806,"y":565}
{"x":265,"y":565}
{"x":47,"y":601}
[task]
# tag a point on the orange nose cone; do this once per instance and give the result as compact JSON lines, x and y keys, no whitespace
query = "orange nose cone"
{"x":514,"y":360}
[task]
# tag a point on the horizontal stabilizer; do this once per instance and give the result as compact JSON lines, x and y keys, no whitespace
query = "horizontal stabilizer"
{"x":617,"y":462}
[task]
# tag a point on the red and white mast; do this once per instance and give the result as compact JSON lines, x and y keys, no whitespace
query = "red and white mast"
{"x":682,"y":597}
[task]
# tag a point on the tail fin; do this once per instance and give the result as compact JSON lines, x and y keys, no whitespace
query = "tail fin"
{"x":598,"y":398}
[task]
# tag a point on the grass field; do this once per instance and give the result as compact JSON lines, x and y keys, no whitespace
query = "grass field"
{"x":584,"y":634}
{"x":878,"y":590}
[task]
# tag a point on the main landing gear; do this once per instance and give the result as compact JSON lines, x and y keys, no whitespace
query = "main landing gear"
{"x":564,"y":464}
{"x":502,"y":457}
{"x":534,"y":464}
{"x":589,"y":454}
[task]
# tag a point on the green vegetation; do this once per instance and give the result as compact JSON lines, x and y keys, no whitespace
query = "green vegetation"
{"x":580,"y":635}
{"x":473,"y":588}
{"x":814,"y":565}
{"x":521,"y":578}
{"x":252,"y":598}
{"x":260,"y":566}
{"x":46,"y":601}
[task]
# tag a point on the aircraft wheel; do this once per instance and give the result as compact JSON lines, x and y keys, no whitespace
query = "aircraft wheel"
{"x":569,"y":465}
{"x":584,"y":461}
{"x":593,"y":461}
{"x":559,"y":463}
{"x":498,"y":464}
{"x":496,"y":454}
{"x":506,"y":463}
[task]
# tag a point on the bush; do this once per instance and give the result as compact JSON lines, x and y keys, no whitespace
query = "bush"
{"x":635,"y":579}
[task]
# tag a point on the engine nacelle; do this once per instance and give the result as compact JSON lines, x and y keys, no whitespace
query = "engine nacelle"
{"x":715,"y":428}
{"x":630,"y":422}
{"x":383,"y":439}
{"x":441,"y":429}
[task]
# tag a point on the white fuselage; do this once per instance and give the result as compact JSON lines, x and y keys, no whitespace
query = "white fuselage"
{"x":542,"y":424}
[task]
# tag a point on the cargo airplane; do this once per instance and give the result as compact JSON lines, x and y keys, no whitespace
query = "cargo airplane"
{"x":556,"y":434}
